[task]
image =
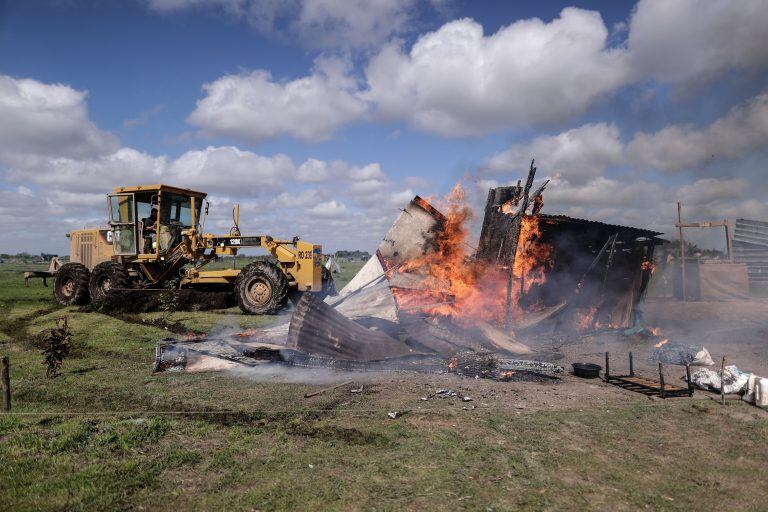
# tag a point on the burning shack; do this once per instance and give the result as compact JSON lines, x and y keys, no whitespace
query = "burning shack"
{"x":428,"y":294}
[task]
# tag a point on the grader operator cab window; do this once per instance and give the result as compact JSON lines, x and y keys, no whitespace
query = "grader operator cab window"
{"x":122,"y":218}
{"x":175,"y":215}
{"x":177,"y":209}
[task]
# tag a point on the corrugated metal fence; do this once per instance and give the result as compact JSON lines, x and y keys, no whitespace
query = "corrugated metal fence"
{"x":750,"y":246}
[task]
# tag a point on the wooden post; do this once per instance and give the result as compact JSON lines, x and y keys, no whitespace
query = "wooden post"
{"x":5,"y":376}
{"x":631,"y":366}
{"x":661,"y":380}
{"x":722,"y":382}
{"x":514,"y":239}
{"x":688,"y":379}
{"x":728,"y":241}
{"x":607,"y":368}
{"x":682,"y":249}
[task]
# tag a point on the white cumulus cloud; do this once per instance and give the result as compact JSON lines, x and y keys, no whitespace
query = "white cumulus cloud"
{"x":458,"y":81}
{"x":329,"y":210}
{"x":230,"y":169}
{"x":690,"y":40}
{"x":313,"y":171}
{"x":325,"y":24}
{"x":675,"y":147}
{"x":253,"y":106}
{"x":47,"y":119}
{"x":576,"y":154}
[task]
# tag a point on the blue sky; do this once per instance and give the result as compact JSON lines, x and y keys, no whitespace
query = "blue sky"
{"x":620,"y":102}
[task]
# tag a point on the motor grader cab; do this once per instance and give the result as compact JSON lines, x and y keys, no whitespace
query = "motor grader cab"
{"x":156,"y":239}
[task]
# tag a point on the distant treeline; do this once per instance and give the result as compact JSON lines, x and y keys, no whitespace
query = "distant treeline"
{"x":352,"y":255}
{"x":692,"y":250}
{"x":25,"y":256}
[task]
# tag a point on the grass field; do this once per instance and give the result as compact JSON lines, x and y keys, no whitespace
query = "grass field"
{"x":107,"y":435}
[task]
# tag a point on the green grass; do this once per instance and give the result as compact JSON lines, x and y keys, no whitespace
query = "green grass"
{"x":108,"y":435}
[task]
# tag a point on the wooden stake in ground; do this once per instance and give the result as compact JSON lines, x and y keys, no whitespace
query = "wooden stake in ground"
{"x":722,"y":382}
{"x":5,"y":376}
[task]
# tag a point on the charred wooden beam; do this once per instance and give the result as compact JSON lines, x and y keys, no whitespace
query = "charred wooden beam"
{"x":512,"y":241}
{"x":489,"y":235}
{"x":316,"y":328}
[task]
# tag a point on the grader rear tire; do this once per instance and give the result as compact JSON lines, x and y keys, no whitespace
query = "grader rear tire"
{"x":107,"y":276}
{"x":261,"y":288}
{"x":70,"y":286}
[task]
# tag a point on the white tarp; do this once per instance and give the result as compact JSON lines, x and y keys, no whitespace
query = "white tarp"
{"x":734,"y":379}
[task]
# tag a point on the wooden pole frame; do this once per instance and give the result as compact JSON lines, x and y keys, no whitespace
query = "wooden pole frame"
{"x":680,"y":225}
{"x":682,"y":249}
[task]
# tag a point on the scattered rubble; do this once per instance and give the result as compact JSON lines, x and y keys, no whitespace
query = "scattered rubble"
{"x":424,"y":302}
{"x":329,"y":388}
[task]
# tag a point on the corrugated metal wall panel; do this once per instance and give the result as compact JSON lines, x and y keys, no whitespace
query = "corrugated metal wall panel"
{"x":750,"y":246}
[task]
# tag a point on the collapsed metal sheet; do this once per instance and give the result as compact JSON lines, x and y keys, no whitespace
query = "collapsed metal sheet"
{"x":368,"y":299}
{"x":369,"y":275}
{"x":412,"y":235}
{"x":317,"y":328}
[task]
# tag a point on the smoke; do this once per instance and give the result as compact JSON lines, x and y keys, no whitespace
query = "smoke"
{"x":271,"y":372}
{"x":230,"y":327}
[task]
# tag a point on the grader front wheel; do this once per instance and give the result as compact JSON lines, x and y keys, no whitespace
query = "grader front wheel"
{"x":107,"y":276}
{"x":261,"y":288}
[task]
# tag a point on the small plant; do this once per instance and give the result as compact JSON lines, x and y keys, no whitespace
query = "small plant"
{"x":56,"y":346}
{"x":168,"y":302}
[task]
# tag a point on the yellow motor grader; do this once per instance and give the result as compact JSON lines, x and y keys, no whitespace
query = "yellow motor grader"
{"x":155,"y":240}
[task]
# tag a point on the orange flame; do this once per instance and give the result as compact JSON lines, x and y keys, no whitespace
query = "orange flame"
{"x":648,"y":265}
{"x":585,"y":319}
{"x":457,"y":286}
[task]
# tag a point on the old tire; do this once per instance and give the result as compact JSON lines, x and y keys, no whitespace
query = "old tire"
{"x":107,"y":276}
{"x":70,"y":286}
{"x":261,"y":288}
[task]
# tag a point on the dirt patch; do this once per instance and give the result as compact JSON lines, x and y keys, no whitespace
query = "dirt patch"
{"x":336,"y":433}
{"x":160,"y":323}
{"x":18,"y":328}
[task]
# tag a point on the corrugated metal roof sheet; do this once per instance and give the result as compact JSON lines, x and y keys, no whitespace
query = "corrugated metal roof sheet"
{"x":564,"y":218}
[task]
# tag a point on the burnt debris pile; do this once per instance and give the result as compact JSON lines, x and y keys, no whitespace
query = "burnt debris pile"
{"x":428,"y":300}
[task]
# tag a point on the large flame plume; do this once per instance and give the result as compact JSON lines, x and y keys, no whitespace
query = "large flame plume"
{"x":454,"y":284}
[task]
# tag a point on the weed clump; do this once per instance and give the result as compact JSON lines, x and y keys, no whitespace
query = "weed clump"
{"x":56,"y":346}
